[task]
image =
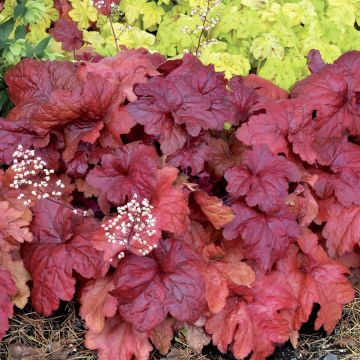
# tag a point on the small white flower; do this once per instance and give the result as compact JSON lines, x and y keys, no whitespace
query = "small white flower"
{"x":137,"y":221}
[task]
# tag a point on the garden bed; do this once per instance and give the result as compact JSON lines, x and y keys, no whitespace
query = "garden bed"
{"x":233,"y":227}
{"x":60,"y":337}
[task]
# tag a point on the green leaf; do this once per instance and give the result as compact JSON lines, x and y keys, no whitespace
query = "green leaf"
{"x":83,"y":12}
{"x":20,"y":32}
{"x":254,"y":4}
{"x":152,"y":15}
{"x":266,"y":45}
{"x":6,"y":28}
{"x":228,"y":63}
{"x":41,"y":47}
{"x":29,"y":51}
{"x":264,"y":35}
{"x":133,"y":9}
{"x":34,"y":11}
{"x":20,"y":9}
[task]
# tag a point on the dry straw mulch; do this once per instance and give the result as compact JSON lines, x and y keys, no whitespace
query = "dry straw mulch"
{"x":60,"y":337}
{"x":34,"y":337}
{"x":343,"y":342}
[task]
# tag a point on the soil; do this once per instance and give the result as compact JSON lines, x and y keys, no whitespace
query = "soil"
{"x":285,"y":352}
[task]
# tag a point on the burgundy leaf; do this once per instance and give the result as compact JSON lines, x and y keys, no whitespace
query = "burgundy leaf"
{"x":61,"y":244}
{"x":13,"y":133}
{"x":262,"y":178}
{"x":131,"y":170}
{"x":265,"y":237}
{"x":170,"y":281}
{"x":67,"y":32}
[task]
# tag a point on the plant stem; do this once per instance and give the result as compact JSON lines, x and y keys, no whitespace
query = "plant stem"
{"x":202,"y":29}
{"x":61,"y":203}
{"x":114,"y":35}
{"x":121,"y":32}
{"x":57,"y":202}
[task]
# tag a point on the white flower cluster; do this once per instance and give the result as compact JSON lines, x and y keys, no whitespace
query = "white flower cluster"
{"x":209,"y":20}
{"x":203,"y":12}
{"x":124,"y":27}
{"x":130,"y":228}
{"x":32,"y":172}
{"x":114,"y":8}
{"x":101,"y":4}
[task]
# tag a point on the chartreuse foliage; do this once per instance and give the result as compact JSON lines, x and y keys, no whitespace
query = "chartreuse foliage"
{"x":127,"y":194}
{"x":272,"y":37}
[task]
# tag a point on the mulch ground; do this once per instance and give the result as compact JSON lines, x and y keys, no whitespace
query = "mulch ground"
{"x":60,"y":337}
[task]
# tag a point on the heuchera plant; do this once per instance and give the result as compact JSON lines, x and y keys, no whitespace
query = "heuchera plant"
{"x":167,"y":197}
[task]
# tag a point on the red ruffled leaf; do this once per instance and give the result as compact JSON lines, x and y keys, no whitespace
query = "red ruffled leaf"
{"x":343,"y":186}
{"x":218,"y":214}
{"x":52,"y":94}
{"x":238,"y":328}
{"x":193,"y":156}
{"x":32,"y":80}
{"x":119,"y":120}
{"x":162,"y":335}
{"x":97,"y":304}
{"x":315,"y":278}
{"x":332,"y":93}
{"x":61,"y":245}
{"x":7,"y":290}
{"x":223,"y":155}
{"x":197,"y":236}
{"x":74,"y":134}
{"x":170,"y":281}
{"x":67,"y":32}
{"x":131,"y":170}
{"x":63,"y":7}
{"x":171,"y":209}
{"x":217,"y":290}
{"x":157,"y":100}
{"x":126,"y":69}
{"x":13,"y":227}
{"x":119,"y":341}
{"x":205,"y":104}
{"x":223,"y":271}
{"x":49,"y":102}
{"x":230,"y":265}
{"x":283,"y":122}
{"x":166,"y":106}
{"x":344,"y":161}
{"x":262,"y":178}
{"x":342,"y":229}
{"x":13,"y":133}
{"x":243,"y":99}
{"x":265,"y":88}
{"x":303,"y":205}
{"x":315,"y":61}
{"x":255,"y":325}
{"x":265,"y":237}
